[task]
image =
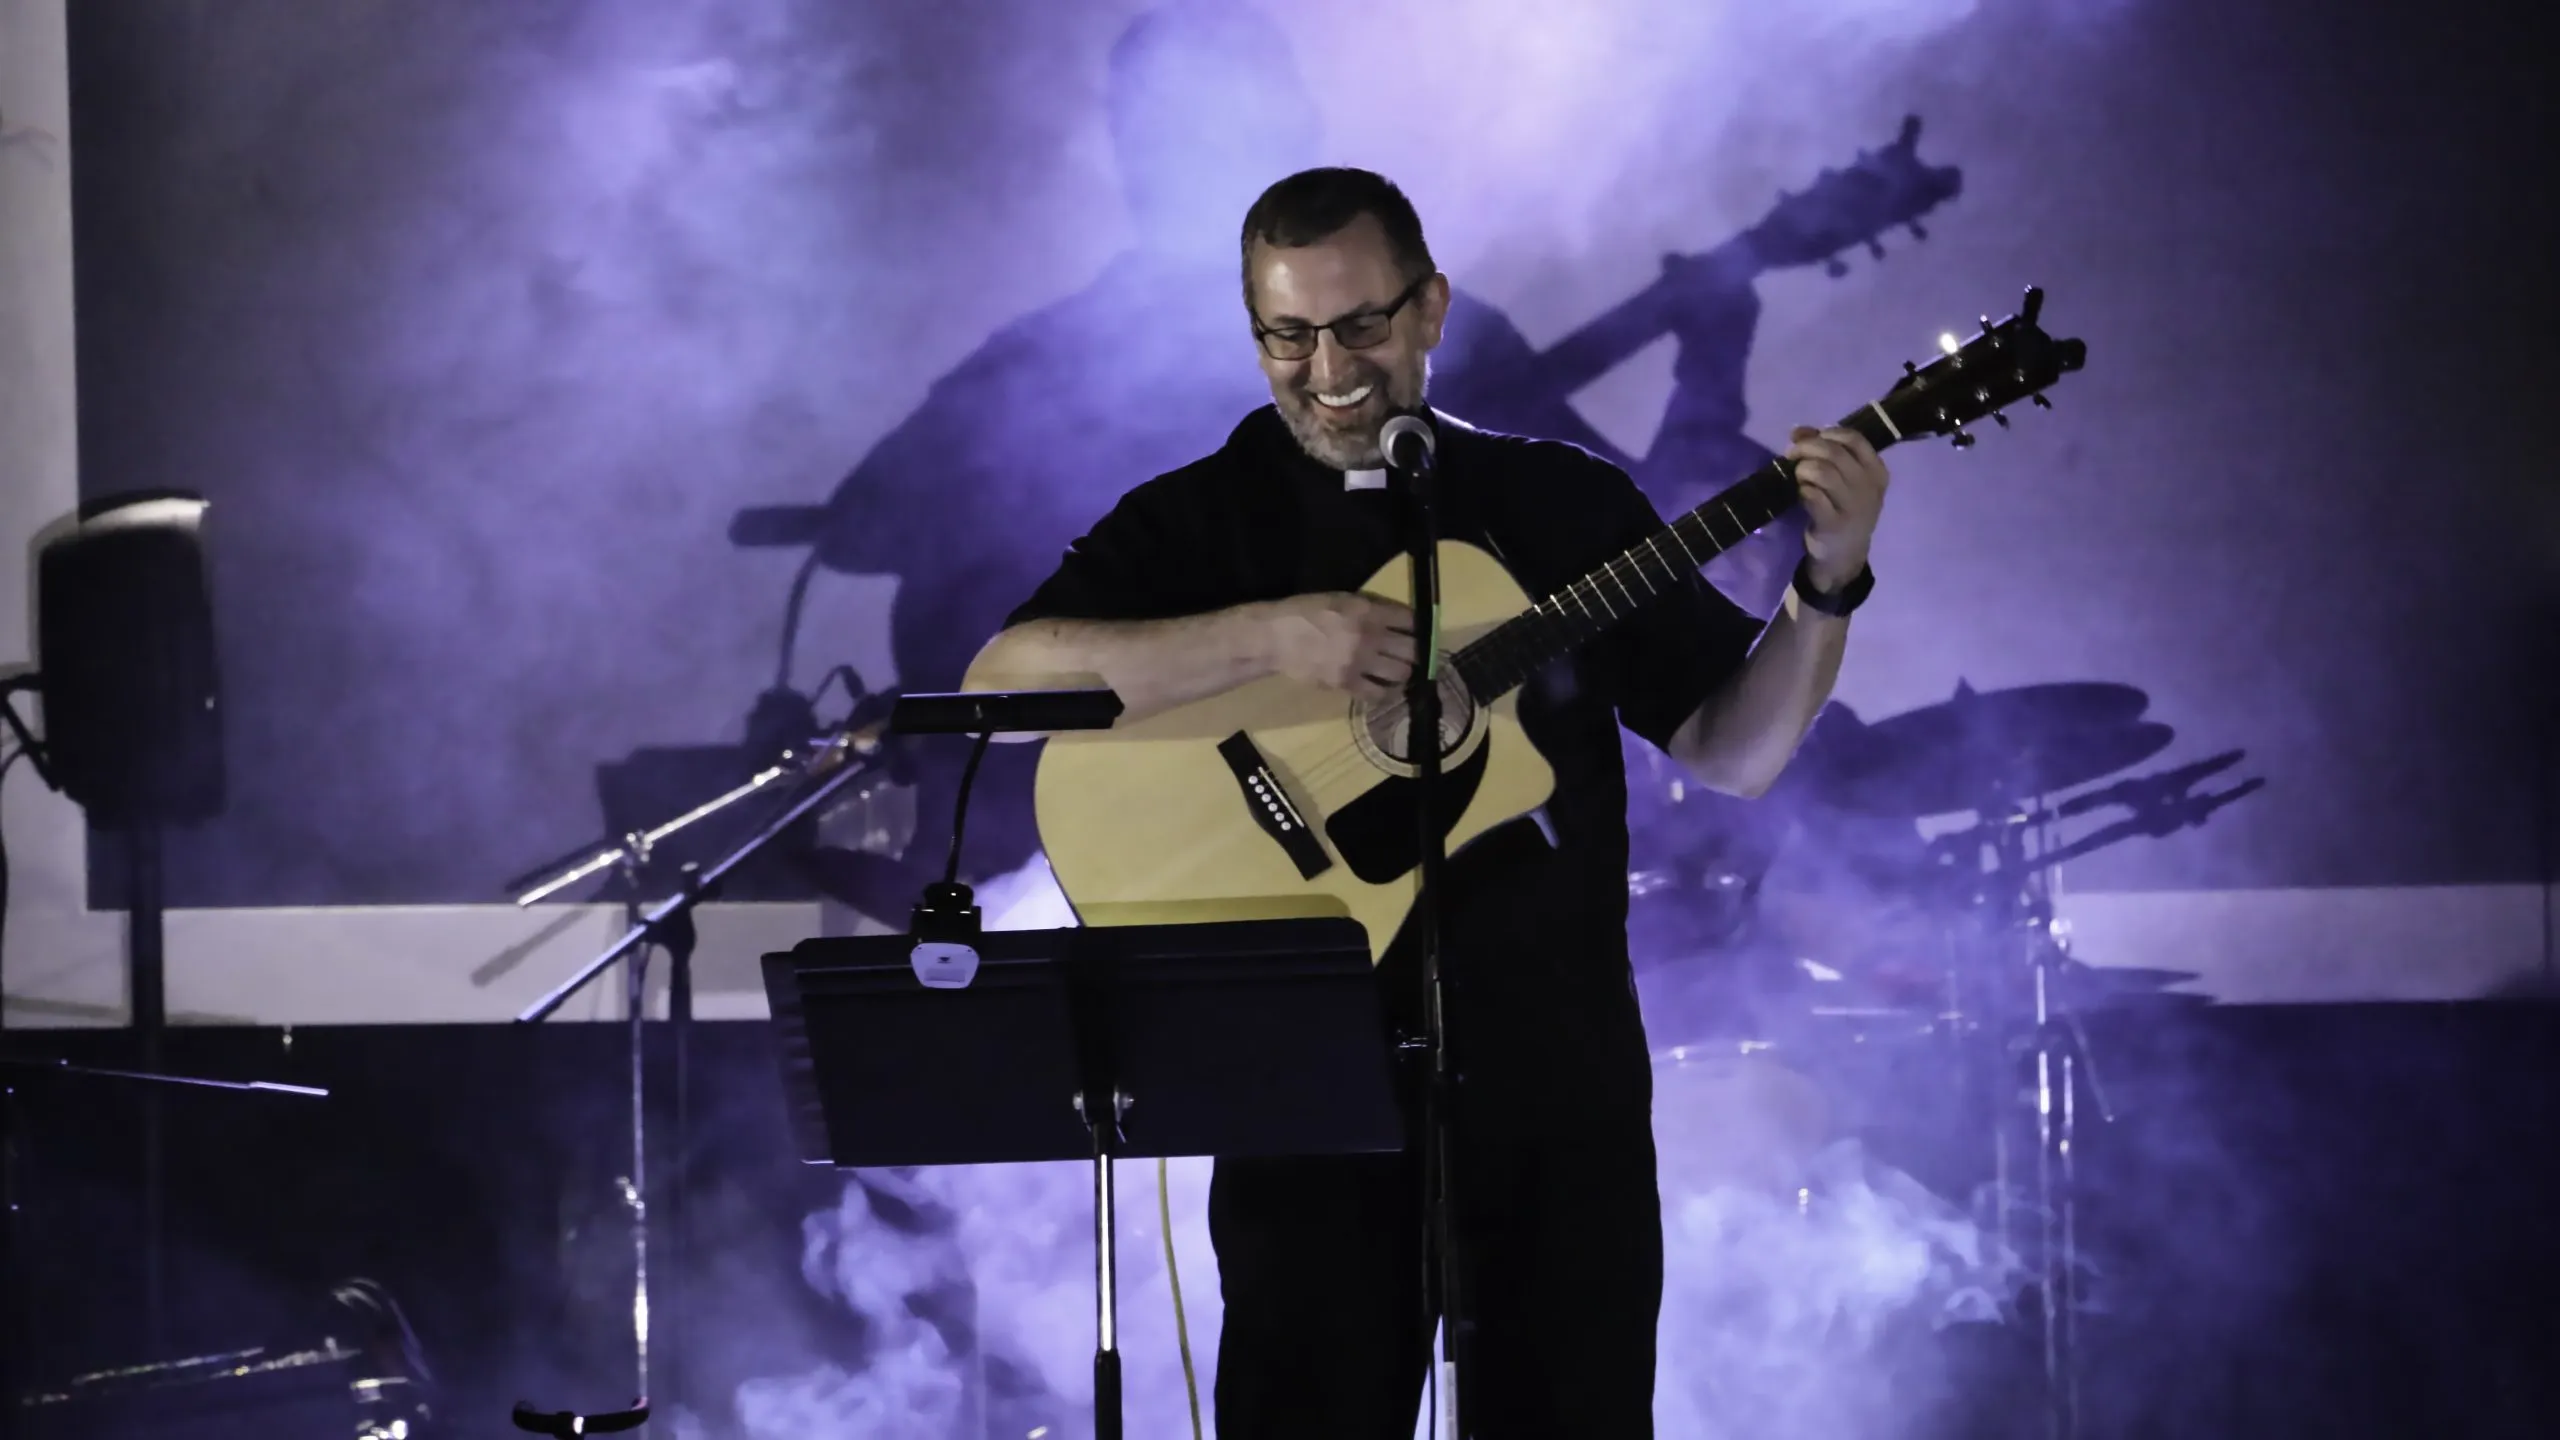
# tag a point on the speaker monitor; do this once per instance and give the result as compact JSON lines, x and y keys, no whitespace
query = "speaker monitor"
{"x":132,"y":695}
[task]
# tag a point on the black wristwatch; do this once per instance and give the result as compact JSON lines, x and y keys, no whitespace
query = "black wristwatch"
{"x":1850,"y":597}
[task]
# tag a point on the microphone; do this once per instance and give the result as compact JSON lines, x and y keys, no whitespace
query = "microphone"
{"x":1408,"y":443}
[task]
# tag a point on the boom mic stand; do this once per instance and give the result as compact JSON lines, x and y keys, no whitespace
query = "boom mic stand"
{"x":669,"y":925}
{"x":1409,"y":445}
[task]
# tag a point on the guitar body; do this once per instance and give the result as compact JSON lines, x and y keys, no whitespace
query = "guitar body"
{"x":1278,"y":799}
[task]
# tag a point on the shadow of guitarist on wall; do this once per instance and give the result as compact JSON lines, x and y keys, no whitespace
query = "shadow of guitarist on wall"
{"x":970,"y":500}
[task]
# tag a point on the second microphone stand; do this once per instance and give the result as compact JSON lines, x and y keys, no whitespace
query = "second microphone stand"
{"x":841,"y":758}
{"x":1409,"y":445}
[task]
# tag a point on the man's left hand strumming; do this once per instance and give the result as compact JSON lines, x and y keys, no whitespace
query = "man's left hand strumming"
{"x":1745,"y":733}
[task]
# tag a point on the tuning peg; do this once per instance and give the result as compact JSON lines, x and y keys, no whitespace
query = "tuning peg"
{"x":1875,"y":247}
{"x":2000,"y":419}
{"x":1963,"y":439}
{"x":1917,"y":233}
{"x":2034,"y":305}
{"x":2041,"y":403}
{"x":1910,"y":367}
{"x":1834,"y":268}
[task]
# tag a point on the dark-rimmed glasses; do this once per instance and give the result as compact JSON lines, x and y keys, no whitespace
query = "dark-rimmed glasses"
{"x":1359,"y":330}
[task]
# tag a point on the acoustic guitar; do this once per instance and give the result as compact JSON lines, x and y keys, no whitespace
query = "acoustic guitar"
{"x":1278,"y":799}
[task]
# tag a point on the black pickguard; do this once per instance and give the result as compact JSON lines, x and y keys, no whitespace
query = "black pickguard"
{"x":1377,"y":835}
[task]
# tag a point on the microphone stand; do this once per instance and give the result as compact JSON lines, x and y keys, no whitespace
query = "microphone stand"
{"x":1408,"y":449}
{"x":944,"y":906}
{"x":147,"y":978}
{"x":669,"y":925}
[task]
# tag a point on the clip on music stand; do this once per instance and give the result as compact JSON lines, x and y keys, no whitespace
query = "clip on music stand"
{"x":1256,"y":1037}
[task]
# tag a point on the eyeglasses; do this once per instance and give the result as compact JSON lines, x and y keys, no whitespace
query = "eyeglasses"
{"x":1359,"y":330}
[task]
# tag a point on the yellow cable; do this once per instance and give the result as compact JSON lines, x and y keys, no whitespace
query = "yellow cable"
{"x":1181,"y":1328}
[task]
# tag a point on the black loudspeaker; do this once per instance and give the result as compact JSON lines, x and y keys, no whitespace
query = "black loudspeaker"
{"x":132,"y":696}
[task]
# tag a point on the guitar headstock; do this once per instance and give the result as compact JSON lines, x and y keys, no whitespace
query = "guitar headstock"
{"x":2008,"y":362}
{"x":1880,"y":190}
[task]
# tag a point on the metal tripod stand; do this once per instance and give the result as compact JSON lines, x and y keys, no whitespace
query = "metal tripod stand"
{"x":815,"y":772}
{"x":2045,"y":1062}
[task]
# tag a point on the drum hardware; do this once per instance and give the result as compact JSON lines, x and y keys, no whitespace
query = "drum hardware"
{"x":1986,"y":750}
{"x":21,"y":1415}
{"x":1998,"y":991}
{"x":2057,"y":1042}
{"x":328,"y":1391}
{"x":1999,"y":754}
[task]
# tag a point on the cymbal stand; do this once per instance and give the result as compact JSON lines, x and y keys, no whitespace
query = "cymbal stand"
{"x":2057,"y":1046}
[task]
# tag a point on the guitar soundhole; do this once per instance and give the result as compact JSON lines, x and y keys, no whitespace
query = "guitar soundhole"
{"x":1385,"y":728}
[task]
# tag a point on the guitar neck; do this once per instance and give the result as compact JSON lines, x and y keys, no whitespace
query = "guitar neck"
{"x":1504,"y":658}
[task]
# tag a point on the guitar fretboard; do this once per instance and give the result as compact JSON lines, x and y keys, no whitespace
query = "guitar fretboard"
{"x":1505,"y":657}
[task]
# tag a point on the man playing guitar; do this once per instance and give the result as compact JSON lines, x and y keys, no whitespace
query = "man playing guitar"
{"x":1247,"y":564}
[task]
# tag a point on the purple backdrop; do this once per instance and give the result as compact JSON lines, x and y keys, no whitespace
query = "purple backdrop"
{"x":481,"y":324}
{"x":559,"y":368}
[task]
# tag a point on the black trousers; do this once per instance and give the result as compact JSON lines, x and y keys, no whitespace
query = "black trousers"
{"x":1321,"y":1264}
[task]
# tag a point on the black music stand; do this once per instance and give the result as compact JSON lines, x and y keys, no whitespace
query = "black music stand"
{"x":1259,"y":1037}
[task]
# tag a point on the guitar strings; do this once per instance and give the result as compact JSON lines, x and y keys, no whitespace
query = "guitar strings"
{"x":1351,"y":759}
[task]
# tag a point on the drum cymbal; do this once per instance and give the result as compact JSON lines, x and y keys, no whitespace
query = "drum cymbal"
{"x":1988,"y":749}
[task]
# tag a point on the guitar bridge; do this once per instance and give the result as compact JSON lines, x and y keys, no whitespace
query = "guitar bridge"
{"x":1272,"y":809}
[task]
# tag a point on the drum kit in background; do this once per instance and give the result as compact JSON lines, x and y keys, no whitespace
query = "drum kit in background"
{"x":1870,"y":951}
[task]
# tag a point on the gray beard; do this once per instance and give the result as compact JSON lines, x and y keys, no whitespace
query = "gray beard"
{"x":1348,"y":453}
{"x":1328,"y":448}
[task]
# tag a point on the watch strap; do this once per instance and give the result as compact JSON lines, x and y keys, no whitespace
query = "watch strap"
{"x":1847,"y":599}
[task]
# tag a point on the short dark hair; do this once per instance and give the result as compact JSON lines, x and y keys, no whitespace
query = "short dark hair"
{"x":1313,"y":204}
